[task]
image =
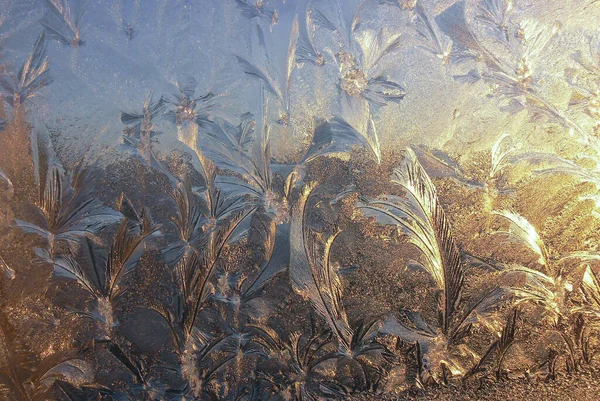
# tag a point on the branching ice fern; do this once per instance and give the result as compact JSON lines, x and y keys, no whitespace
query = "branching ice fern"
{"x":433,"y":38}
{"x":329,"y":139}
{"x":361,"y":87}
{"x":140,"y":222}
{"x":70,"y":211}
{"x":62,"y":22}
{"x":195,"y":268}
{"x":258,"y":10}
{"x":206,"y":224}
{"x":199,"y":212}
{"x":583,"y":106}
{"x":552,"y":289}
{"x":511,"y":73}
{"x":145,"y":380}
{"x":306,"y":50}
{"x":359,"y":56}
{"x":236,"y":339}
{"x":513,"y":77}
{"x":103,"y":278}
{"x":341,"y":132}
{"x":33,"y":75}
{"x":297,"y":360}
{"x":245,"y":155}
{"x":23,"y":379}
{"x":494,"y":14}
{"x":312,"y":276}
{"x":248,"y":338}
{"x":274,"y":73}
{"x":497,"y":351}
{"x":315,"y":279}
{"x":141,"y":131}
{"x":421,"y":218}
{"x":188,"y":220}
{"x":188,"y":106}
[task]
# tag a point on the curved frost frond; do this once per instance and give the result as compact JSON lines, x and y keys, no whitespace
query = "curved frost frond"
{"x":375,"y":46}
{"x":274,"y":71}
{"x":71,"y":211}
{"x":33,"y":75}
{"x":522,"y":231}
{"x":290,"y":62}
{"x":68,"y":268}
{"x":260,"y":74}
{"x":494,"y":15}
{"x":380,"y":91}
{"x":312,"y":275}
{"x":590,"y":287}
{"x":500,"y":151}
{"x":277,"y":261}
{"x":332,"y":138}
{"x":322,"y":21}
{"x":150,"y":110}
{"x":568,"y":167}
{"x":62,"y":22}
{"x":411,"y":176}
{"x":188,"y":220}
{"x":535,"y":37}
{"x":257,"y":11}
{"x":422,"y":219}
{"x":306,"y":49}
{"x":140,"y":222}
{"x":124,"y":255}
{"x":530,"y":285}
{"x":229,"y":146}
{"x":63,"y":366}
{"x":435,"y":40}
{"x":347,"y":133}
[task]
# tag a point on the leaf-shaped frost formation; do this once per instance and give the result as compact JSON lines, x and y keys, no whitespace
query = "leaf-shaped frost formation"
{"x":188,"y":106}
{"x":306,"y":49}
{"x":422,"y":219}
{"x":33,"y":75}
{"x":494,"y":14}
{"x":257,"y":10}
{"x":62,"y":23}
{"x":18,"y":361}
{"x":188,"y":222}
{"x":590,"y":288}
{"x":278,"y":260}
{"x":523,"y":232}
{"x":347,"y":134}
{"x":263,"y":76}
{"x":380,"y":91}
{"x":312,"y":275}
{"x":71,"y":211}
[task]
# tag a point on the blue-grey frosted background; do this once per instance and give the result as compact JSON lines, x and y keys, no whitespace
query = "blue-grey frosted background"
{"x":109,"y":74}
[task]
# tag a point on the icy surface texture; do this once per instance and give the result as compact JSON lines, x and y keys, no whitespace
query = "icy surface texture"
{"x":299,"y":199}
